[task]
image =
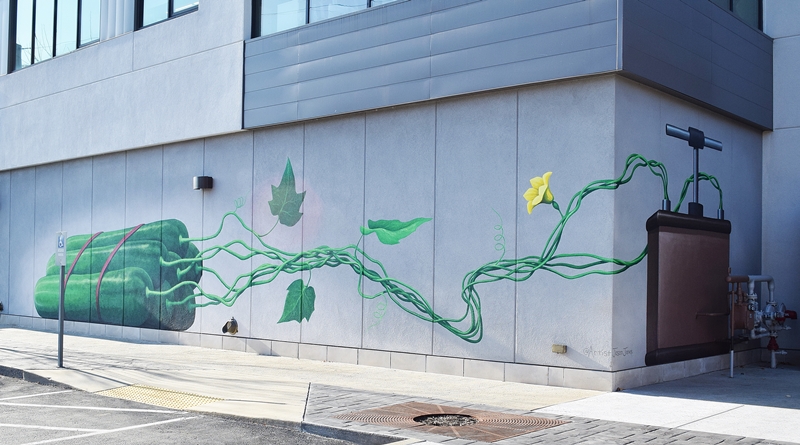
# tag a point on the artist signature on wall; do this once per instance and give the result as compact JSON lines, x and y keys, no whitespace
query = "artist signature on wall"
{"x":613,"y":352}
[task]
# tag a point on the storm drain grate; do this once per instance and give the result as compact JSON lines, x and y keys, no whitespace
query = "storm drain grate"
{"x":488,"y":426}
{"x":158,"y":396}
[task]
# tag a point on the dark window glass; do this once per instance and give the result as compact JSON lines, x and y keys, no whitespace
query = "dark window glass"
{"x":179,"y":6}
{"x":45,"y":16}
{"x":277,"y":15}
{"x":24,"y":45}
{"x":325,"y":9}
{"x":154,"y":11}
{"x":381,"y":2}
{"x":725,"y":4}
{"x":90,"y":21}
{"x":747,"y":10}
{"x":66,"y":26}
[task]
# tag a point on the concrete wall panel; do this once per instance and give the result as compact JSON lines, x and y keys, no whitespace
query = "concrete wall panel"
{"x":400,"y":168}
{"x":21,"y":242}
{"x":567,"y":129}
{"x":5,"y":241}
{"x":149,"y":80}
{"x":476,"y":154}
{"x":787,"y":77}
{"x":229,"y":160}
{"x":272,"y":149}
{"x":77,"y":204}
{"x":181,"y":162}
{"x":333,"y":179}
{"x":47,"y":215}
{"x":108,"y":202}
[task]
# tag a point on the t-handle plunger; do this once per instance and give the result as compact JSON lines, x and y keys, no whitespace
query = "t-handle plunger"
{"x":697,"y":140}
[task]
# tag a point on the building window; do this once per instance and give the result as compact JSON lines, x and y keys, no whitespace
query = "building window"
{"x":750,"y":11}
{"x":149,"y":12}
{"x":271,"y":16}
{"x":43,"y":29}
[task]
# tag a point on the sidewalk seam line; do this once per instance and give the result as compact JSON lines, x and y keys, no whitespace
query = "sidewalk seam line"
{"x":707,"y":417}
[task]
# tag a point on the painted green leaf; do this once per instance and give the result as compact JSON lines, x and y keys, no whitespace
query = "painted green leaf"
{"x":286,"y":202}
{"x":392,"y":231}
{"x":299,"y":302}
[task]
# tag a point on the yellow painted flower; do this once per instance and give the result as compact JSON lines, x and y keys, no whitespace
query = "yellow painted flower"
{"x":539,"y":191}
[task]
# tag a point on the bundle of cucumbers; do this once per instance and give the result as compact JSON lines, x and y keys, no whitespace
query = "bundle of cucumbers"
{"x":124,"y":278}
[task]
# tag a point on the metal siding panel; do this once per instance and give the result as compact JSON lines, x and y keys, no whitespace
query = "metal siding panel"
{"x":367,"y":78}
{"x":759,"y":75}
{"x":271,"y":78}
{"x":441,"y":5}
{"x":667,"y":51}
{"x":560,"y":66}
{"x":740,"y":45}
{"x":411,"y":49}
{"x":645,"y":65}
{"x":368,"y":38}
{"x":271,"y":60}
{"x":730,"y":21}
{"x":270,"y":115}
{"x":271,"y":96}
{"x":684,"y":47}
{"x":735,"y":84}
{"x":677,"y":31}
{"x":546,"y":45}
{"x":519,"y":26}
{"x":486,"y":11}
{"x":678,"y":11}
{"x":384,"y":96}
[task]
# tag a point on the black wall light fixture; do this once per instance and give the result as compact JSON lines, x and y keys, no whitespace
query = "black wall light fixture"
{"x":202,"y":182}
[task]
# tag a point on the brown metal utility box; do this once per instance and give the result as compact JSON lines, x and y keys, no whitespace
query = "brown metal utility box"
{"x":687,"y":302}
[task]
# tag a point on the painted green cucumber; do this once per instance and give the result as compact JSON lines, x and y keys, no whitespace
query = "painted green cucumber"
{"x":142,"y":254}
{"x":191,"y":271}
{"x":123,"y":297}
{"x":178,"y":317}
{"x":168,"y":231}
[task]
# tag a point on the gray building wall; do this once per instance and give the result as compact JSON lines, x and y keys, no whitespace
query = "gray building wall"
{"x":781,"y":239}
{"x":176,"y":80}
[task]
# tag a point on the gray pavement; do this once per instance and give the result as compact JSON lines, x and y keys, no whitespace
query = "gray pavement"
{"x":759,"y":406}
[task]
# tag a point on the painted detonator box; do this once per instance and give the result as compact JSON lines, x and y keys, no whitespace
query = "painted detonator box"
{"x":687,"y":304}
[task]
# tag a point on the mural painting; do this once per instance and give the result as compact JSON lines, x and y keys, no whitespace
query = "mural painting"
{"x":149,"y":275}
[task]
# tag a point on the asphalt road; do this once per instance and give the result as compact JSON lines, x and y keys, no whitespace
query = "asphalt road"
{"x":38,"y":414}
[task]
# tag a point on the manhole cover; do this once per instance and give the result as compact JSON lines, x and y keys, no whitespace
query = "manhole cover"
{"x":464,"y":423}
{"x":445,"y":419}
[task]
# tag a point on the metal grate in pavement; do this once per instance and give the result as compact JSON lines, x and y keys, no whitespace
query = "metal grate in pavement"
{"x":490,"y":426}
{"x":158,"y":396}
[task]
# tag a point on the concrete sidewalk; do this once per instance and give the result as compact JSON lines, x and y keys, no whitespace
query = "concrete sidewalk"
{"x":758,"y":406}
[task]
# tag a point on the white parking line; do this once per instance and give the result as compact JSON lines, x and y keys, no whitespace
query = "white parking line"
{"x":80,"y":436}
{"x":93,"y":408}
{"x":37,"y":395}
{"x":53,"y":428}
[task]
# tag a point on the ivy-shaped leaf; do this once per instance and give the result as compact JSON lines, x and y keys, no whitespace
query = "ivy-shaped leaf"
{"x":392,"y":231}
{"x":299,"y":302}
{"x":286,"y":202}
